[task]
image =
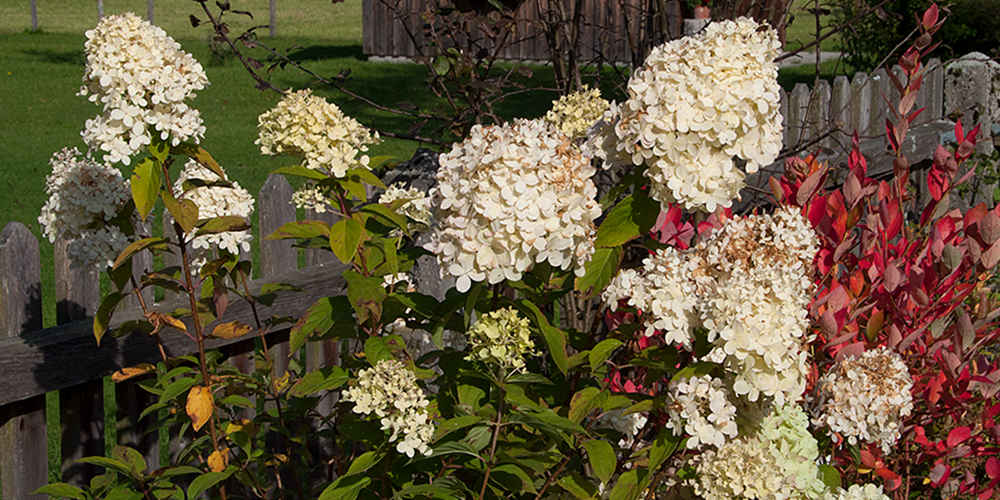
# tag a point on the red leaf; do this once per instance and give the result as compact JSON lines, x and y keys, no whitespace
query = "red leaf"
{"x":993,"y":467}
{"x":930,"y":16}
{"x":810,"y":186}
{"x":939,"y":474}
{"x":959,"y":136}
{"x":868,"y":459}
{"x":893,"y":277}
{"x":894,"y":480}
{"x":958,"y":435}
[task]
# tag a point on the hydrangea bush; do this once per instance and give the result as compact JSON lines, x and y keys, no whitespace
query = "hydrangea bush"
{"x":821,"y":349}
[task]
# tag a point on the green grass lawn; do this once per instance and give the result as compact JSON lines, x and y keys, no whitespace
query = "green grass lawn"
{"x":802,"y":28}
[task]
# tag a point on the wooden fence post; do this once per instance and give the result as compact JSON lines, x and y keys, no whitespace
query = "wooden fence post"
{"x":82,"y":407}
{"x":798,"y":106}
{"x":819,"y":114}
{"x":840,"y":112}
{"x":34,"y":16}
{"x":23,"y":431}
{"x":149,"y":11}
{"x":934,"y":80}
{"x":861,"y":97}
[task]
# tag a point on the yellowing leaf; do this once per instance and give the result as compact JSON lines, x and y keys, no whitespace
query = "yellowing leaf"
{"x":281,"y":382}
{"x":219,"y":460}
{"x":243,"y":425}
{"x":173,"y":322}
{"x":132,"y":371}
{"x":200,"y":406}
{"x":230,"y":330}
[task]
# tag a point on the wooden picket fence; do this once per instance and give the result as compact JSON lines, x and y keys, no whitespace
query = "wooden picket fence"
{"x":65,"y":358}
{"x":612,"y":31}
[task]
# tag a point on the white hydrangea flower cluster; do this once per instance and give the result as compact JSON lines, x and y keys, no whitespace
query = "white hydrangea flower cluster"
{"x":574,"y":113}
{"x":312,"y":196}
{"x":215,"y":201}
{"x":508,"y":197}
{"x":786,"y":434}
{"x":700,"y":407}
{"x":315,"y":131}
{"x":415,"y":209}
{"x":778,"y":462}
{"x":747,"y":284}
{"x":82,"y":192}
{"x":390,"y":391}
{"x":866,"y":397}
{"x":628,"y":426}
{"x":696,"y":103}
{"x":142,"y":77}
{"x":502,"y":338}
{"x":861,"y":492}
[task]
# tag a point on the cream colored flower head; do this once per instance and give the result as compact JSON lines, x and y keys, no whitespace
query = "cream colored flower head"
{"x":511,"y":196}
{"x":142,"y":78}
{"x":501,"y":338}
{"x":317,"y":132}
{"x":415,"y":209}
{"x":574,"y":113}
{"x":865,"y":398}
{"x":390,"y":391}
{"x":215,"y":201}
{"x":81,"y":193}
{"x":695,"y":104}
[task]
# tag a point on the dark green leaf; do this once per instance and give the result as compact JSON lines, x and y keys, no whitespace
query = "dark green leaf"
{"x":630,"y":485}
{"x":585,"y":401}
{"x":138,"y":246}
{"x":386,"y":216}
{"x":320,"y":380}
{"x":600,"y":353}
{"x":578,"y":486}
{"x":366,"y":294}
{"x":60,"y":490}
{"x":555,"y":338}
{"x":599,"y":271}
{"x":320,"y":318}
{"x":365,"y":461}
{"x":345,"y":488}
{"x":184,"y":212}
{"x":376,"y":350}
{"x":632,"y":217}
{"x":104,"y":312}
{"x":300,"y":171}
{"x":366,"y":176}
{"x":207,"y":480}
{"x":830,"y":476}
{"x":222,"y":224}
{"x":664,"y":446}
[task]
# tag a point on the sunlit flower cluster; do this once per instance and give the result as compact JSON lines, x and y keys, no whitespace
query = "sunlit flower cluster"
{"x":81,"y":193}
{"x":501,"y":338}
{"x":142,"y":78}
{"x":700,"y":407}
{"x":748,"y":285}
{"x":861,"y":492}
{"x":312,"y":196}
{"x":777,"y":462}
{"x":416,"y":209}
{"x":215,"y":201}
{"x":628,"y":426}
{"x":316,"y":132}
{"x":510,"y":196}
{"x":696,"y":103}
{"x":573,"y":113}
{"x":390,"y":391}
{"x":865,"y":398}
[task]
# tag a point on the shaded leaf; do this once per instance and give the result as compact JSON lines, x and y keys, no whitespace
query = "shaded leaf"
{"x":132,"y":371}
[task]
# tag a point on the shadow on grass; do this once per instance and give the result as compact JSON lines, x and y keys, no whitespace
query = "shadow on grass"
{"x":321,"y":52}
{"x":73,"y":57}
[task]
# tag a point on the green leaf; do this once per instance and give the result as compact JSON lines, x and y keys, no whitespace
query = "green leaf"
{"x":599,"y":271}
{"x":104,"y":312}
{"x":61,"y":490}
{"x":600,"y":353}
{"x":130,"y":456}
{"x":301,"y":230}
{"x":470,"y":302}
{"x":455,"y":424}
{"x":107,"y":463}
{"x":176,"y":388}
{"x":138,"y":246}
{"x":320,"y":318}
{"x":366,"y":294}
{"x":366,"y":176}
{"x":121,"y":275}
{"x":386,"y":216}
{"x":695,"y":370}
{"x":365,"y":461}
{"x":223,"y":224}
{"x":345,"y":488}
{"x":199,"y":155}
{"x":159,"y":148}
{"x":455,"y":448}
{"x":602,"y":458}
{"x":376,"y":350}
{"x":519,"y":476}
{"x":664,"y":446}
{"x":145,"y":186}
{"x":555,"y":338}
{"x":630,"y":485}
{"x":345,"y":236}
{"x":585,"y":401}
{"x":300,"y":171}
{"x":830,"y":476}
{"x":207,"y":480}
{"x":578,"y":486}
{"x":391,"y":258}
{"x":184,"y":212}
{"x":323,"y":379}
{"x":632,"y":217}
